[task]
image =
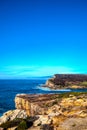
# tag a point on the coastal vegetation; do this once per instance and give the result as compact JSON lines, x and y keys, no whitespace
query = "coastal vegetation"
{"x":84,"y":83}
{"x":19,"y":123}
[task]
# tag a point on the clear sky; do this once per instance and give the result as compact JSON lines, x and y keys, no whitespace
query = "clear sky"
{"x":42,"y":37}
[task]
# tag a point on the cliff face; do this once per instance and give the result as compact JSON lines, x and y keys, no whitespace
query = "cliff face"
{"x":66,"y":104}
{"x":22,"y":103}
{"x":55,"y":111}
{"x":52,"y":111}
{"x":60,"y":81}
{"x":35,"y":104}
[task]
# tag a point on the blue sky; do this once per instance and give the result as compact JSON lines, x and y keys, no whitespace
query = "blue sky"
{"x":42,"y":37}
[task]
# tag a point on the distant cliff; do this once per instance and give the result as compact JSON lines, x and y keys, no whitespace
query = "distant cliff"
{"x":62,"y":81}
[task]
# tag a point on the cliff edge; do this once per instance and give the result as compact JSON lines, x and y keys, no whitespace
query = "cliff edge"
{"x":64,"y":81}
{"x":66,"y":111}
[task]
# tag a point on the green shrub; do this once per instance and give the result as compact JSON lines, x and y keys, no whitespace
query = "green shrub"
{"x":67,"y":94}
{"x":22,"y":125}
{"x":10,"y":124}
{"x":84,"y":83}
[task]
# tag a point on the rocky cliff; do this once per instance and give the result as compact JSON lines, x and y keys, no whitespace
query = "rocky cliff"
{"x":66,"y":104}
{"x":35,"y":104}
{"x":63,"y":81}
{"x":47,"y":112}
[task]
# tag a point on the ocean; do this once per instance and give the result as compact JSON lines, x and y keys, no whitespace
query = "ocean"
{"x":9,"y":89}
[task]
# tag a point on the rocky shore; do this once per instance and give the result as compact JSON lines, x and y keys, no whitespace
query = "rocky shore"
{"x":66,"y":81}
{"x":66,"y":111}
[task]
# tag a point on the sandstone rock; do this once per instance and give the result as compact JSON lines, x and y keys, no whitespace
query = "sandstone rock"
{"x":1,"y":128}
{"x":57,"y":120}
{"x":37,"y":122}
{"x":50,"y":84}
{"x":46,"y":127}
{"x":54,"y":109}
{"x":13,"y":128}
{"x":50,"y":105}
{"x":43,"y":119}
{"x":34,"y":128}
{"x":50,"y":109}
{"x":11,"y":115}
{"x":3,"y":119}
{"x":74,"y":124}
{"x":35,"y":104}
{"x":54,"y":114}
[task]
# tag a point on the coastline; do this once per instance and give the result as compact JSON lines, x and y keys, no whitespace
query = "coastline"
{"x":47,"y":110}
{"x":67,"y":81}
{"x":50,"y":110}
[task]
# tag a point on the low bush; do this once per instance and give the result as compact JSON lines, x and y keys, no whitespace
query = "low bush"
{"x":10,"y":124}
{"x":22,"y":126}
{"x":84,"y":83}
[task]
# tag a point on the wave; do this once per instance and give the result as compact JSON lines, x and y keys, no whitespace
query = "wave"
{"x":57,"y":90}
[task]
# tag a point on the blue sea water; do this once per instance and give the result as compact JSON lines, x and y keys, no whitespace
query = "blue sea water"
{"x":9,"y":89}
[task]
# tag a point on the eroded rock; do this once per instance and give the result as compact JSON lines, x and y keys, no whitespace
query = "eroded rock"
{"x":53,"y":110}
{"x":13,"y":114}
{"x":35,"y":104}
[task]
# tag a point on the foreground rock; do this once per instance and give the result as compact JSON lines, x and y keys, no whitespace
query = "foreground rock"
{"x":74,"y":124}
{"x":13,"y":114}
{"x":48,"y":112}
{"x":63,"y":81}
{"x":53,"y":104}
{"x":35,"y":104}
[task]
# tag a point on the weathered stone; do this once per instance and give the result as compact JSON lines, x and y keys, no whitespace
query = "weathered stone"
{"x":11,"y":115}
{"x":35,"y":104}
{"x":34,"y":128}
{"x":3,"y":119}
{"x":73,"y":124}
{"x":1,"y":128}
{"x":50,"y":105}
{"x":46,"y":127}
{"x":43,"y":119}
{"x":48,"y":109}
{"x":12,"y":128}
